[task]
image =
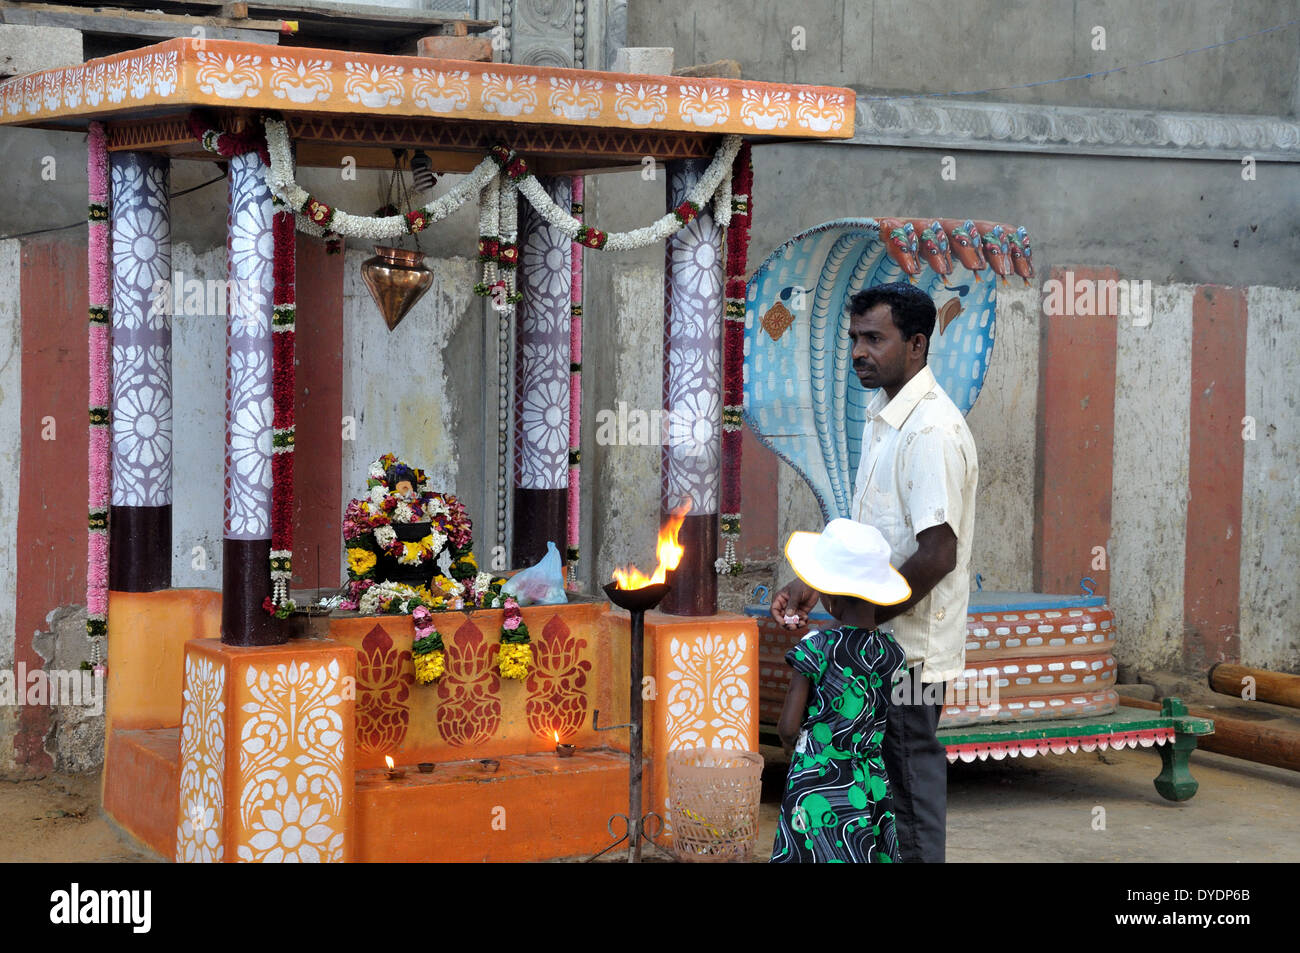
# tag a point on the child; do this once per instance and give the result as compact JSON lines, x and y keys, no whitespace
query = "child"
{"x":836,"y":807}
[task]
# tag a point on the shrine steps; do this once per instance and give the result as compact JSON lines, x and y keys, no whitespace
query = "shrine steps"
{"x":141,"y":785}
{"x":533,"y":807}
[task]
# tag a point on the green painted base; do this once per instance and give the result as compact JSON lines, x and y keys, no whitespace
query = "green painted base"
{"x":1175,"y":781}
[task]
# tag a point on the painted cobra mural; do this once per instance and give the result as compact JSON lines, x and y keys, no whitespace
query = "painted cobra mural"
{"x":801,"y":399}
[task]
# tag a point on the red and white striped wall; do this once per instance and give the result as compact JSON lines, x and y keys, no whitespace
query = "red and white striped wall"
{"x":1176,"y":447}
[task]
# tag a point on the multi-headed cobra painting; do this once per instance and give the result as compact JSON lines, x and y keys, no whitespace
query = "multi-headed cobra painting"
{"x":802,"y":399}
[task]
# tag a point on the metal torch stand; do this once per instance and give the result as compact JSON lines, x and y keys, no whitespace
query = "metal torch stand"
{"x":635,"y":820}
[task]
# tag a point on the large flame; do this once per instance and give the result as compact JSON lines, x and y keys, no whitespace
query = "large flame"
{"x":668,"y":550}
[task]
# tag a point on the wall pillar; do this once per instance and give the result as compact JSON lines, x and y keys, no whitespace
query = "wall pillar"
{"x":140,"y":521}
{"x":246,"y":551}
{"x":542,"y":382}
{"x":691,"y":461}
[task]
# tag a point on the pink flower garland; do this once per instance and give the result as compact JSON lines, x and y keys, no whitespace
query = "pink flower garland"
{"x":575,"y":392}
{"x":100,"y":304}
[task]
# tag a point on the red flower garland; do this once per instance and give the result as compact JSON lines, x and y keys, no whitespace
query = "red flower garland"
{"x":733,"y":350}
{"x":283,"y":340}
{"x":228,"y":144}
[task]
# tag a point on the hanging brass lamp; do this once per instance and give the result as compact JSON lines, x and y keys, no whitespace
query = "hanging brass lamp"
{"x":397,"y":279}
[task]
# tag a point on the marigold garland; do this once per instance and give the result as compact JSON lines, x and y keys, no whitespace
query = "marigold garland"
{"x":515,"y":656}
{"x":427,"y":649}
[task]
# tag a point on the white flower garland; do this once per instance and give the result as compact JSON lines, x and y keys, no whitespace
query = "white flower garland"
{"x":704,"y":190}
{"x":498,"y":201}
{"x":280,"y":180}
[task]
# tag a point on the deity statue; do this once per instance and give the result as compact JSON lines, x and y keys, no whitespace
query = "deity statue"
{"x":408,"y":546}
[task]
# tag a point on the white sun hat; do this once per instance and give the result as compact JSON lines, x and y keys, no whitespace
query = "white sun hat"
{"x":848,"y":559}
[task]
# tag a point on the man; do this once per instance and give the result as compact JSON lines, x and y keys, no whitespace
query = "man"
{"x":916,"y":484}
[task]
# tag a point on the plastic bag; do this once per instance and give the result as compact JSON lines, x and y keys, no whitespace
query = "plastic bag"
{"x":541,"y":584}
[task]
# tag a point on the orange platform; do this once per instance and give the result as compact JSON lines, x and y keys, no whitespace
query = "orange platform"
{"x":221,"y":753}
{"x":534,"y":806}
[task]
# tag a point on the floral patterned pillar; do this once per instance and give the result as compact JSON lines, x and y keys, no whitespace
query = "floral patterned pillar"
{"x":542,"y":382}
{"x":246,"y":574}
{"x":141,"y":516}
{"x":693,"y":299}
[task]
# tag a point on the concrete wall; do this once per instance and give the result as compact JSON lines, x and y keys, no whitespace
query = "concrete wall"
{"x":895,"y":46}
{"x":1270,"y":545}
{"x":11,"y":405}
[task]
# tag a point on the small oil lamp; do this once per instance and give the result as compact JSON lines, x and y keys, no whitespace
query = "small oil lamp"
{"x":562,"y":750}
{"x":394,"y":773}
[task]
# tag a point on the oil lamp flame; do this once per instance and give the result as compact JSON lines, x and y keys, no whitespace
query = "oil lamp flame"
{"x":388,"y":759}
{"x":668,"y":550}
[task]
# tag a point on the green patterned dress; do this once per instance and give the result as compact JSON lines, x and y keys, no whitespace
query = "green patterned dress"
{"x":837,"y":805}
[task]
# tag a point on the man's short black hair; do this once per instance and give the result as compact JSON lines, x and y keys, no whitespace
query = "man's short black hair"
{"x":911,"y":308}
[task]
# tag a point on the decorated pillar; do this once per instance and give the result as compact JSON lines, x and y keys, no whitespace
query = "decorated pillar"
{"x":246,"y":577}
{"x":542,"y":382}
{"x":140,"y":520}
{"x":693,"y":299}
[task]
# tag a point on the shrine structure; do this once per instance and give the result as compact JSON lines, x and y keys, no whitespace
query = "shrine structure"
{"x":231,"y":733}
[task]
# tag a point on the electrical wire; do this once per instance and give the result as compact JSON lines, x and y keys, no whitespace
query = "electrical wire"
{"x":60,"y":228}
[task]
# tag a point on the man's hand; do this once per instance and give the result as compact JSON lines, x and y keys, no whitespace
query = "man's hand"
{"x":794,"y":601}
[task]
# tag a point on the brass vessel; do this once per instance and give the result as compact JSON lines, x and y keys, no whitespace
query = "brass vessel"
{"x":397,"y":279}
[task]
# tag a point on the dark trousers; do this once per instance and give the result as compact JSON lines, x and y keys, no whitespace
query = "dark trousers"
{"x":918,"y":771}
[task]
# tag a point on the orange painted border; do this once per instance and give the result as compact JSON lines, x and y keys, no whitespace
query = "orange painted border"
{"x":1212,"y":573}
{"x":1076,"y":439}
{"x":194,"y":73}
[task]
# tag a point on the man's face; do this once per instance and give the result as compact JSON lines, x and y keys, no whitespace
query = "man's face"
{"x":879,"y":351}
{"x":404,"y":488}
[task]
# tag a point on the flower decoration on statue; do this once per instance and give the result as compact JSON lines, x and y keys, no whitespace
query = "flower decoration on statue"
{"x":515,"y":656}
{"x":408,"y":547}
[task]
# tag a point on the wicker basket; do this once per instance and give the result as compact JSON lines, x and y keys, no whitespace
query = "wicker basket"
{"x":713,"y":797}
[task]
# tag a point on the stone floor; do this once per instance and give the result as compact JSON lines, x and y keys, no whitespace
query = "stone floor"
{"x":1041,"y":809}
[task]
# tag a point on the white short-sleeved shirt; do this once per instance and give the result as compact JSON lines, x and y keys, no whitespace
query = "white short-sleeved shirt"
{"x":919,"y":469}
